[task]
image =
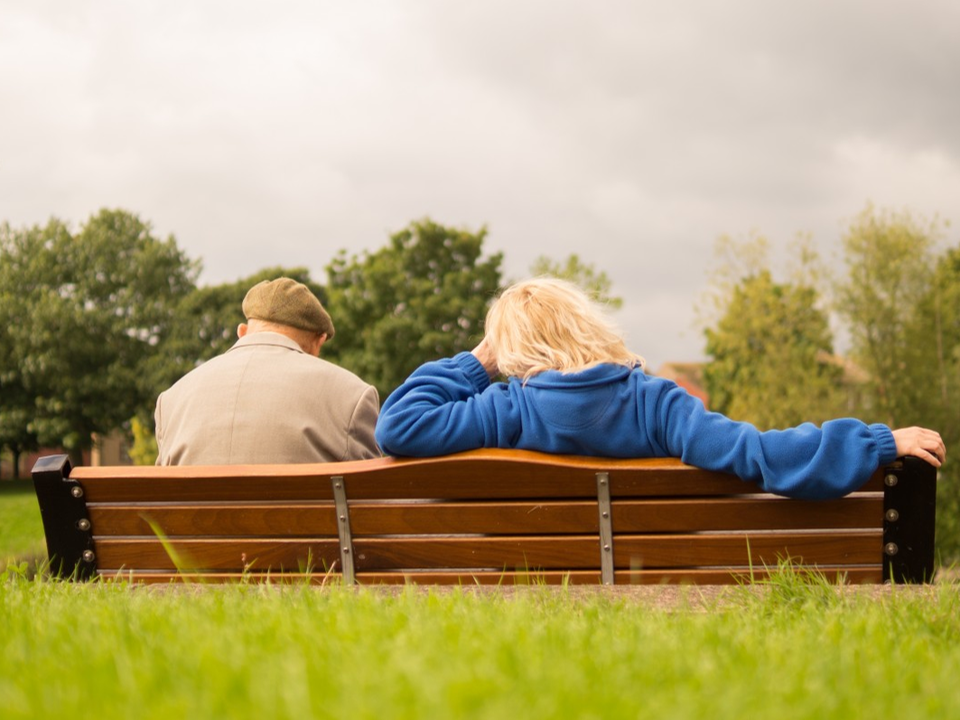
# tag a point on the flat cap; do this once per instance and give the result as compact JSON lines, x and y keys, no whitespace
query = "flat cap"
{"x":286,"y":302}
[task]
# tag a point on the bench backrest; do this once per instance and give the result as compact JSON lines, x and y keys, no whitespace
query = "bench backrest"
{"x":487,"y":516}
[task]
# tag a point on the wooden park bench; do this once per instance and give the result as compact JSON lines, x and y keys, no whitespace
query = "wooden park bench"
{"x":487,"y":516}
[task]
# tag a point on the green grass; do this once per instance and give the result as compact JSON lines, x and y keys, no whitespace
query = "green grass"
{"x":21,"y":530}
{"x":793,"y":649}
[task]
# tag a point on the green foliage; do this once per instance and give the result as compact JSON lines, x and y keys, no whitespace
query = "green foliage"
{"x":901,"y":302}
{"x":889,"y":268}
{"x":597,"y":283}
{"x":771,"y":349}
{"x":255,"y":652}
{"x":929,"y":387}
{"x":144,"y":450}
{"x":82,"y":313}
{"x":422,"y":297}
{"x":17,"y":276}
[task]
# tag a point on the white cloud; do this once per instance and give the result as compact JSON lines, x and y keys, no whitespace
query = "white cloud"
{"x":631,"y":133}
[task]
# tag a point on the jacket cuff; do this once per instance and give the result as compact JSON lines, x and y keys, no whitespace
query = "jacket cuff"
{"x":473,"y":369}
{"x":886,"y":445}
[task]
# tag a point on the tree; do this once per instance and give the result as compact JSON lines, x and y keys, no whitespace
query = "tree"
{"x":422,"y":297}
{"x":82,"y":313}
{"x":16,"y":402}
{"x":890,"y":265}
{"x":902,"y":304}
{"x":932,"y":340}
{"x":771,"y":347}
{"x":598,"y":284}
{"x":929,"y":387}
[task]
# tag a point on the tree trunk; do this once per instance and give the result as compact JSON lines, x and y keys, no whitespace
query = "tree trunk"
{"x":76,"y":457}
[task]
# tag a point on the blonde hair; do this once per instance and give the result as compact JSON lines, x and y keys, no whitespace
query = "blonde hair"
{"x":551,"y":324}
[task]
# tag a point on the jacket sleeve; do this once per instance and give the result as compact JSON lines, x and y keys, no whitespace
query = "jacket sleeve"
{"x":361,"y":443}
{"x":439,"y":410}
{"x":805,"y":461}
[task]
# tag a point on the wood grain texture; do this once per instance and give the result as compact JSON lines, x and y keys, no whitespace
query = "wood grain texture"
{"x":485,"y":517}
{"x":509,"y":579}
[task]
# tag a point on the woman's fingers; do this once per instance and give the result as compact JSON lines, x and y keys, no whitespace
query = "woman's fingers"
{"x":922,"y":443}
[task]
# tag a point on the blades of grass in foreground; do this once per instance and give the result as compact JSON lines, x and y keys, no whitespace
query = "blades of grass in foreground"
{"x":107,"y":650}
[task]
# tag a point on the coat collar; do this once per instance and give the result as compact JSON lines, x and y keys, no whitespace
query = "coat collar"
{"x":267,"y":338}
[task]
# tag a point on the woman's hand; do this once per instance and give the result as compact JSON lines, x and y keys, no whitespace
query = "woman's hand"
{"x":484,"y":353}
{"x":922,"y":443}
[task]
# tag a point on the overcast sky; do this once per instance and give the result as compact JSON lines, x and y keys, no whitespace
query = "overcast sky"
{"x":633,"y":133}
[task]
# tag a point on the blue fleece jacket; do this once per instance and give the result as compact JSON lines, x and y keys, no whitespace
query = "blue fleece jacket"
{"x":450,"y":406}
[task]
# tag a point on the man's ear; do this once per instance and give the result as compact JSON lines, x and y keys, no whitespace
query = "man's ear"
{"x":242,"y":330}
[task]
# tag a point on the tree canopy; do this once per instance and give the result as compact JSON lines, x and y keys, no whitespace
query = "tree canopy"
{"x":422,"y":297}
{"x":772,"y":356}
{"x":596,"y":282}
{"x":80,"y":312}
{"x":898,"y":302}
{"x":890,"y":267}
{"x":771,"y":349}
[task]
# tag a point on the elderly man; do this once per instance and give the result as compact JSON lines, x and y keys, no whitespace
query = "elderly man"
{"x":270,"y":398}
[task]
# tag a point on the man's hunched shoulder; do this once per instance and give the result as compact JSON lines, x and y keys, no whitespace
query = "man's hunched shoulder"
{"x":342,"y":374}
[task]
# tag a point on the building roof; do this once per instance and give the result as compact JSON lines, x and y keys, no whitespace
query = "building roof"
{"x":688,"y":375}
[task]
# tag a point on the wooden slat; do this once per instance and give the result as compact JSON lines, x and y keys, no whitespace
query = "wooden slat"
{"x":857,"y":547}
{"x":491,"y":474}
{"x":852,"y":575}
{"x":561,"y":552}
{"x":495,"y":518}
{"x":402,"y":484}
{"x":533,"y":518}
{"x":700,"y":576}
{"x":758,"y":513}
{"x":275,"y":577}
{"x":567,"y":552}
{"x":506,"y":461}
{"x":232,"y":554}
{"x":522,"y":518}
{"x":632,"y":551}
{"x":109,"y":489}
{"x":251,"y":520}
{"x":495,"y":480}
{"x":677,"y":479}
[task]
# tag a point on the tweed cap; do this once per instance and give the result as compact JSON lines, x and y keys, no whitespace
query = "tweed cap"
{"x":286,"y":302}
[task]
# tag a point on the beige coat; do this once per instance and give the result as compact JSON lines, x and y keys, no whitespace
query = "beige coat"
{"x":266,"y":401}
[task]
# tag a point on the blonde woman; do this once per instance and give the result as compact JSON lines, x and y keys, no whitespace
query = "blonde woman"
{"x":574,"y":388}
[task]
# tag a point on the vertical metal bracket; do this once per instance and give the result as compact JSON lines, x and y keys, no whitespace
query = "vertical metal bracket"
{"x":606,"y":528}
{"x":343,"y":529}
{"x":66,"y":523}
{"x":909,"y":519}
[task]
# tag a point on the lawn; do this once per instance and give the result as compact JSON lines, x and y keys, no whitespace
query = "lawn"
{"x":790,"y":649}
{"x":21,"y":531}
